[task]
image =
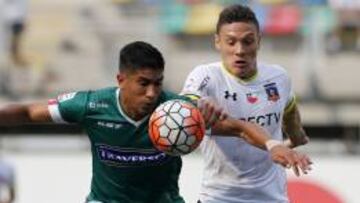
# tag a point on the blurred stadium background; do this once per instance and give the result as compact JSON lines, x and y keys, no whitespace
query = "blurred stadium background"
{"x":73,"y":45}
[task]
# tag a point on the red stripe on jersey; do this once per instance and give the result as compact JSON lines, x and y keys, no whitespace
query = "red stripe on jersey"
{"x":52,"y":101}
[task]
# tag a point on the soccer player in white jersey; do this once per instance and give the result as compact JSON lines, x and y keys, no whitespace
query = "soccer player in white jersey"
{"x":235,"y":171}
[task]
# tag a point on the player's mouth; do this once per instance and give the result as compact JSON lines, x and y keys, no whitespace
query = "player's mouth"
{"x":240,"y":64}
{"x":148,"y":106}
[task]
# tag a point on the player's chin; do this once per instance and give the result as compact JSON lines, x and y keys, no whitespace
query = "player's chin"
{"x":244,"y":73}
{"x":147,"y":109}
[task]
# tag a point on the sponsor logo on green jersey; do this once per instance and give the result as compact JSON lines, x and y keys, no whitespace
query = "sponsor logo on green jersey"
{"x":125,"y":157}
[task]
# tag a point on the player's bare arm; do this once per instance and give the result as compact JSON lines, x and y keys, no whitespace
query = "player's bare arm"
{"x":293,"y":128}
{"x":257,"y":136}
{"x":251,"y":132}
{"x":17,"y":114}
{"x":216,"y":118}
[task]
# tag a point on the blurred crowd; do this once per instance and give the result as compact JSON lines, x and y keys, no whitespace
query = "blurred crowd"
{"x":338,"y":19}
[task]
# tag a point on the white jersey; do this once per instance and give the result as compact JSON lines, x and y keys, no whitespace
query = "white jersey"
{"x":235,"y":171}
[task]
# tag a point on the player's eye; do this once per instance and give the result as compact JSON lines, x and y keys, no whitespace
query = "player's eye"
{"x":231,"y":42}
{"x":158,"y":83}
{"x":248,"y":42}
{"x":144,"y":83}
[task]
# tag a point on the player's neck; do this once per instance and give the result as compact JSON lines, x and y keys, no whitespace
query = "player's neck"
{"x":126,"y":108}
{"x":245,"y":77}
{"x":249,"y":77}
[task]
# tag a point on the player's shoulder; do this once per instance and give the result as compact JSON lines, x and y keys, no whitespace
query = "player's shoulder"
{"x":104,"y":93}
{"x":270,"y":71}
{"x":88,"y":96}
{"x":84,"y":98}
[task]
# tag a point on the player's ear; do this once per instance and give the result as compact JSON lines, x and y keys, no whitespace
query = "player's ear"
{"x":217,"y":41}
{"x":120,"y":77}
{"x":258,"y":41}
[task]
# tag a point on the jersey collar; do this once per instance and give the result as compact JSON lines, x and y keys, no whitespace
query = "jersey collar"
{"x":127,"y":118}
{"x":242,"y":81}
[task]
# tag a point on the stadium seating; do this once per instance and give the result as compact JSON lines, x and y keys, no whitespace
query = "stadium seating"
{"x":282,"y":20}
{"x":338,"y":78}
{"x":202,"y":19}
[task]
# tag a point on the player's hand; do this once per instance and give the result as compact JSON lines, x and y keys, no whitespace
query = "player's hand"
{"x":303,"y":164}
{"x":291,"y":159}
{"x":211,"y":111}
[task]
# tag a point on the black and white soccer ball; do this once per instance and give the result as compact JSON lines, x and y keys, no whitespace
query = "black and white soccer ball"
{"x":176,"y":127}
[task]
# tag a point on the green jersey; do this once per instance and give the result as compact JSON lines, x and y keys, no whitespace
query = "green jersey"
{"x":126,"y":166}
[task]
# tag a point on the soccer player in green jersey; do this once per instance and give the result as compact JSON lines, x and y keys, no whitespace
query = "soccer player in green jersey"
{"x":126,"y":167}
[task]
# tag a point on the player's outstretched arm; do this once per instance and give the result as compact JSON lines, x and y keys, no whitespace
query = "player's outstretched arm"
{"x":221,"y":124}
{"x":17,"y":114}
{"x":257,"y":136}
{"x":251,"y":132}
{"x":254,"y":134}
{"x":293,"y":128}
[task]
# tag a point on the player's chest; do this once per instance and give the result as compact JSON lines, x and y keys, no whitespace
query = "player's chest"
{"x":118,"y":132}
{"x":252,"y":99}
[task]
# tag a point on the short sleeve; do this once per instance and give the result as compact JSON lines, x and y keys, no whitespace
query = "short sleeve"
{"x":196,"y":84}
{"x":68,"y":108}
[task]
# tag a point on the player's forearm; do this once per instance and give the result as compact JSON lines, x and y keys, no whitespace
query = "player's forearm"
{"x":293,"y":129}
{"x":255,"y":135}
{"x":14,"y":114}
{"x":17,"y":114}
{"x":252,"y":133}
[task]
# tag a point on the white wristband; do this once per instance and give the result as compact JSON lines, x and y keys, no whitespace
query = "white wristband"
{"x":288,"y":143}
{"x":272,"y":143}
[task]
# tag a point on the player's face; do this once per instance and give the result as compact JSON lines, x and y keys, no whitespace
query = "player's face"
{"x":140,"y":91}
{"x":238,"y":44}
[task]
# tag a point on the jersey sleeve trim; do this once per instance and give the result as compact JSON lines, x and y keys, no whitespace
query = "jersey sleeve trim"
{"x":290,"y":105}
{"x":55,"y":113}
{"x":193,"y":97}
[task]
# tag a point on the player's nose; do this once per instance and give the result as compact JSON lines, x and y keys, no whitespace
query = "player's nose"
{"x":239,"y":49}
{"x":151,"y":92}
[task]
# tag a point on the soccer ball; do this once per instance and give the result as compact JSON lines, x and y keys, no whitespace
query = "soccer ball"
{"x":176,"y":127}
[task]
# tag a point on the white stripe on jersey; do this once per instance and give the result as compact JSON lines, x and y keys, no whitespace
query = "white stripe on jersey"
{"x":55,"y":113}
